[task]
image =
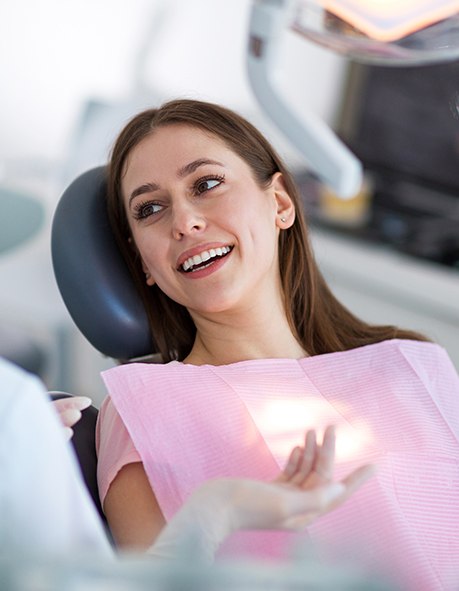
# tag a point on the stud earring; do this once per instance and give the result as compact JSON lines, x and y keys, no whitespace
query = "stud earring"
{"x":283,"y":220}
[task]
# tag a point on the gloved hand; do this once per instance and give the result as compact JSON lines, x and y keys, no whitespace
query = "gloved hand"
{"x":303,"y":491}
{"x":69,"y":411}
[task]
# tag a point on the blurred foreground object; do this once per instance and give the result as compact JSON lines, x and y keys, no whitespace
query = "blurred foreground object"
{"x":139,"y":573}
{"x":21,"y":217}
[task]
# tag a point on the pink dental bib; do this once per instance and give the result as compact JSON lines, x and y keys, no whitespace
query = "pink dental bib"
{"x":394,"y":403}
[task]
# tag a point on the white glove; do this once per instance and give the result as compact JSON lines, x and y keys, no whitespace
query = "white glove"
{"x":69,"y":411}
{"x":303,"y":491}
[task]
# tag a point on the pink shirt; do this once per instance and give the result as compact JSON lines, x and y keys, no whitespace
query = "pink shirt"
{"x":395,"y":403}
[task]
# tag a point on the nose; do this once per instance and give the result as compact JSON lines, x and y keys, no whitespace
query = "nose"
{"x":186,"y":220}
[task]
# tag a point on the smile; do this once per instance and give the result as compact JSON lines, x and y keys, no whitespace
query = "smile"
{"x":204,"y":259}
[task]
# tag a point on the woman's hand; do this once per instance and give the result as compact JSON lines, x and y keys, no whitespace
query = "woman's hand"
{"x":303,"y":491}
{"x":69,"y":411}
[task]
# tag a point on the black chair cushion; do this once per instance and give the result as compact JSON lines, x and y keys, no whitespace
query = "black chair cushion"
{"x":84,"y":443}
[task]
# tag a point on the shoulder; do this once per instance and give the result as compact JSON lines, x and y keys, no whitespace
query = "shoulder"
{"x":429,"y":361}
{"x":126,"y":374}
{"x":144,"y":384}
{"x":419,"y":353}
{"x":111,"y":431}
{"x":386,"y":351}
{"x":114,"y":446}
{"x":108,"y":420}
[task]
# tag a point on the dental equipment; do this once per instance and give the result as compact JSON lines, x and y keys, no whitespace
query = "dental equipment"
{"x":402,"y":32}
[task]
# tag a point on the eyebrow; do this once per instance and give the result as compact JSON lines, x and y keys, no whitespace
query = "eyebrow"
{"x":181,"y":173}
{"x":146,"y":188}
{"x":192,"y":166}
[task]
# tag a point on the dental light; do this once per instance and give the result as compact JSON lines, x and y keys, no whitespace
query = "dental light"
{"x":387,"y":32}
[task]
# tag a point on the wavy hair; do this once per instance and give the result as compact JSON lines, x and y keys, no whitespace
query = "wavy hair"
{"x":318,"y":320}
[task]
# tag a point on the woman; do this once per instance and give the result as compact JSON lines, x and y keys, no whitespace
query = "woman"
{"x":258,"y":349}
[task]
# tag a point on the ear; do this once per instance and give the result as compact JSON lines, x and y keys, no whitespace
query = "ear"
{"x":149,"y":279}
{"x":285,"y":213}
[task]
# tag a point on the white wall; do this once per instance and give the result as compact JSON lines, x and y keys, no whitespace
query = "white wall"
{"x":56,"y":54}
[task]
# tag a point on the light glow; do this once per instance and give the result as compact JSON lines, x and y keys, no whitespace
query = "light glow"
{"x":389,"y":20}
{"x":283,"y":424}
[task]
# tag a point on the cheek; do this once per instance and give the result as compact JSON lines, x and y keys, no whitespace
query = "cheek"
{"x":148,"y":250}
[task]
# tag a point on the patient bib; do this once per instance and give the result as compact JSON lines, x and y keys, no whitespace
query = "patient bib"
{"x":394,"y":403}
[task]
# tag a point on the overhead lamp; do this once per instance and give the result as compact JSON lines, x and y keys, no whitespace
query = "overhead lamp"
{"x":386,"y":32}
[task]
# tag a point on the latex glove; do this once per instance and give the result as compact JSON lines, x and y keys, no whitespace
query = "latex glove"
{"x":303,"y":491}
{"x":69,"y":411}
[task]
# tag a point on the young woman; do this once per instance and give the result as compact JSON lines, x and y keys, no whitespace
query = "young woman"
{"x":257,"y":350}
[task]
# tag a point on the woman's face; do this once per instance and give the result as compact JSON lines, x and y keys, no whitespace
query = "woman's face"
{"x":206,"y":232}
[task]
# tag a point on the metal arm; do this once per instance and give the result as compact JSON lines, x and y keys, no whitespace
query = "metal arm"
{"x":328,"y":157}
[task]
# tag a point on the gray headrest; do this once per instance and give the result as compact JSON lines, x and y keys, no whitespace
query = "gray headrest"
{"x":91,"y":274}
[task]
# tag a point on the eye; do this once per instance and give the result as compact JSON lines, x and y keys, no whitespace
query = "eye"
{"x":208,"y":183}
{"x":146,"y":209}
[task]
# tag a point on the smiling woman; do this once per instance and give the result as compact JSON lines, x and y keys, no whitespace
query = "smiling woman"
{"x":183,"y":206}
{"x":209,"y":221}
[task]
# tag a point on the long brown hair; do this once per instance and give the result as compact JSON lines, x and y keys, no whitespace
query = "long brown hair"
{"x":318,"y":320}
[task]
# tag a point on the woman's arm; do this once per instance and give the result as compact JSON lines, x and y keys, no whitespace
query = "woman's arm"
{"x":131,"y":509}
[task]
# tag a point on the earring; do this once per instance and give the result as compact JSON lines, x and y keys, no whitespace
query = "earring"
{"x":147,"y":276}
{"x":283,"y":220}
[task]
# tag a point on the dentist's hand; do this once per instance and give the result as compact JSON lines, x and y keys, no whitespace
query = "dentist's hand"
{"x":302,"y":492}
{"x":69,"y":411}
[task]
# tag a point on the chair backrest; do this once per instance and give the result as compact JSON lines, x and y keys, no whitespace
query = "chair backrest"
{"x":91,"y":274}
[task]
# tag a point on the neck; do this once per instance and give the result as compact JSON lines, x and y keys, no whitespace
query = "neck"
{"x":231,"y":337}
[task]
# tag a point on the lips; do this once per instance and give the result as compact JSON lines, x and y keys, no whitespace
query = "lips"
{"x":203,"y":258}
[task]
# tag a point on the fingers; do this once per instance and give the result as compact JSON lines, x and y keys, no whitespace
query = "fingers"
{"x":307,"y":459}
{"x":333,"y":498}
{"x":308,"y":505}
{"x":291,"y":467}
{"x":300,"y":461}
{"x":70,"y":416}
{"x":312,"y":465}
{"x":324,"y":464}
{"x":77,"y":402}
{"x":356,"y":478}
{"x":69,"y":409}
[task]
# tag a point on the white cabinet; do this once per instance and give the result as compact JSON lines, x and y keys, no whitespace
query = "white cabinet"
{"x":382,"y":286}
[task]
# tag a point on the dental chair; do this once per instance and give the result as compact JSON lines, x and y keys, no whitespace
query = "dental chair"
{"x":98,"y":292}
{"x":91,"y":274}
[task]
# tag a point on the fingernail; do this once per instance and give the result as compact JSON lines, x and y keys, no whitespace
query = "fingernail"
{"x":81,"y":402}
{"x":70,"y":416}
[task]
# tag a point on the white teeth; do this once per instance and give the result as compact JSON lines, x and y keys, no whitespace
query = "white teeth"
{"x":205,"y":256}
